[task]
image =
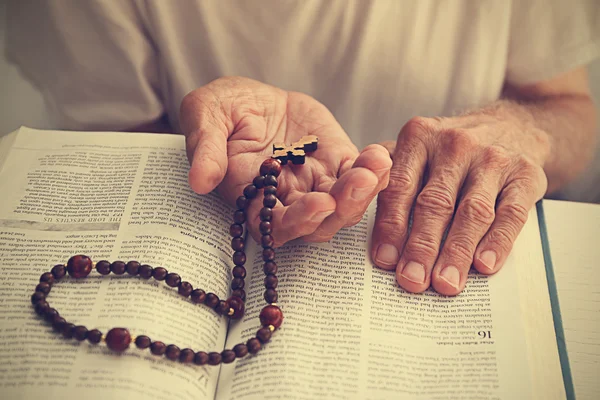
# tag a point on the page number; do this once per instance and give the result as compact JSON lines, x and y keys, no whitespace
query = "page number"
{"x":485,"y":334}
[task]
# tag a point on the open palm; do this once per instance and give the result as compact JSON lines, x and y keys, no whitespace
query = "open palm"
{"x":230,"y":127}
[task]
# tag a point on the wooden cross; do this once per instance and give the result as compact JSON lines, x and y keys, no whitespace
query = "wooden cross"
{"x":297,"y":151}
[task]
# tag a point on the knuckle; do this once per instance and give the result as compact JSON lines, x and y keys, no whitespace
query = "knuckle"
{"x":514,"y":213}
{"x":502,"y":237}
{"x":435,"y":200}
{"x":460,"y":248}
{"x":401,"y":182}
{"x":458,"y":141}
{"x":478,"y":209}
{"x":391,"y":224}
{"x":423,"y":244}
{"x":418,"y":127}
{"x":496,"y":157}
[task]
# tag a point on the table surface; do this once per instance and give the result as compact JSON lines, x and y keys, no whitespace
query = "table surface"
{"x":574,"y":238}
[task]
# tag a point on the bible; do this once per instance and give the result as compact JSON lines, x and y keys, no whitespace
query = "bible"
{"x":349,"y":330}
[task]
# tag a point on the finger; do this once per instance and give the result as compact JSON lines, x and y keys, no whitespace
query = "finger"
{"x":395,"y":202}
{"x":473,"y":217}
{"x":206,"y":128}
{"x":433,"y":211}
{"x":299,"y":219}
{"x":512,"y":210}
{"x":354,"y":191}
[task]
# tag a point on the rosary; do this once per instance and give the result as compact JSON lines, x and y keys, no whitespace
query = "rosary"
{"x":271,"y":317}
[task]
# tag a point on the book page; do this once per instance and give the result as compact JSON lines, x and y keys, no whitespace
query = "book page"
{"x":113,"y":196}
{"x":350,"y":332}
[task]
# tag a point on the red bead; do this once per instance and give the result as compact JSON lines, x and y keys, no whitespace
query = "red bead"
{"x":214,"y":358}
{"x":118,"y":267}
{"x":58,"y":271}
{"x":43,"y":287}
{"x":271,"y":281}
{"x":269,"y":200}
{"x":270,"y":190}
{"x":227,"y":356}
{"x":172,"y":279}
{"x":198,"y":296}
{"x":159,"y":273}
{"x":264,"y":334}
{"x":241,"y":202}
{"x":271,"y":315}
{"x":118,"y":339}
{"x":250,"y":191}
{"x":239,"y":272}
{"x":223,"y":307}
{"x":94,"y":336}
{"x":145,"y":271}
{"x":239,"y":293}
{"x":201,"y":358}
{"x":270,"y":268}
{"x":48,"y":278}
{"x":268,"y":254}
{"x":185,"y":289}
{"x":253,"y":345}
{"x":270,"y":180}
{"x":237,"y":244}
{"x":267,"y":241}
{"x":186,"y":356}
{"x":79,"y":266}
{"x":236,"y":230}
{"x":239,"y":258}
{"x":158,"y":348}
{"x":259,"y":182}
{"x":132,"y":267}
{"x":265,"y":227}
{"x":266,"y":213}
{"x":211,"y":300}
{"x":270,"y":167}
{"x":172,"y":352}
{"x":239,"y":217}
{"x":103,"y":267}
{"x":237,"y":304}
{"x":240,"y":350}
{"x":143,"y":342}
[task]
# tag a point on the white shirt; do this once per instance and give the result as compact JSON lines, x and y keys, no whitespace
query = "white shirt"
{"x":113,"y":65}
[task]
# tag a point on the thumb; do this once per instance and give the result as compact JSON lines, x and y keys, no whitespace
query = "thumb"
{"x":206,"y":130}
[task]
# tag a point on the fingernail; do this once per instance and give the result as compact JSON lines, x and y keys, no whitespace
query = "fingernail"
{"x":387,"y":255}
{"x":360,"y":194}
{"x":488,"y":259}
{"x":320,"y":216}
{"x":451,"y":275}
{"x":414,"y":272}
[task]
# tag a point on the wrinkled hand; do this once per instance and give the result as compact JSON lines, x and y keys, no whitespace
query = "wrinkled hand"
{"x":479,"y":175}
{"x":230,"y":126}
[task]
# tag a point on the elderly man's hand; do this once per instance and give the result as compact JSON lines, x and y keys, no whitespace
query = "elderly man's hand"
{"x":477,"y":176}
{"x":230,"y":127}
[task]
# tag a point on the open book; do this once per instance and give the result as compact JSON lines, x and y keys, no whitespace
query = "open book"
{"x":349,"y":330}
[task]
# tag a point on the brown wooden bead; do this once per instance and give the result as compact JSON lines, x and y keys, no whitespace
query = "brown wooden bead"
{"x":267,"y":241}
{"x":159,"y":273}
{"x":80,"y":332}
{"x":239,"y":258}
{"x":241,"y":293}
{"x":214,"y":358}
{"x":186,"y":356}
{"x":250,"y":191}
{"x":201,"y":358}
{"x":103,"y":267}
{"x":271,"y":296}
{"x":266,"y":213}
{"x":239,"y":217}
{"x":58,"y":323}
{"x":79,"y":266}
{"x":270,"y":267}
{"x":271,"y":315}
{"x":172,"y":279}
{"x":118,"y":267}
{"x":265,"y":227}
{"x":198,"y":296}
{"x":237,"y":244}
{"x":133,"y":267}
{"x":237,"y":283}
{"x":270,"y":180}
{"x":49,"y":314}
{"x":227,"y":356}
{"x":268,"y":254}
{"x":271,"y":281}
{"x":66,"y":330}
{"x":242,"y":202}
{"x":239,"y":272}
{"x":41,"y":307}
{"x":37,"y":296}
{"x":43,"y":287}
{"x":94,"y":336}
{"x":240,"y":350}
{"x":172,"y":352}
{"x":270,"y":167}
{"x":158,"y":348}
{"x":223,"y":307}
{"x":264,"y":334}
{"x":145,"y":271}
{"x":270,"y":190}
{"x":185,"y":289}
{"x":259,"y":182}
{"x":253,"y":345}
{"x":48,"y":278}
{"x":211,"y":300}
{"x":237,"y":304}
{"x":236,"y":230}
{"x":269,"y":200}
{"x":58,"y":271}
{"x":118,"y":339}
{"x":143,"y":342}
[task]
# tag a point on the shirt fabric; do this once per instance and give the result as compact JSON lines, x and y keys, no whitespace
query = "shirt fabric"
{"x":114,"y":65}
